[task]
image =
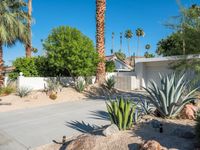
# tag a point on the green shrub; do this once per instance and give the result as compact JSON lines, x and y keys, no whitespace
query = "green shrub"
{"x":121,"y":113}
{"x":110,"y":83}
{"x":110,"y":66}
{"x":7,"y":90}
{"x":171,"y":96}
{"x":197,"y":127}
{"x":53,"y":85}
{"x":25,"y":65}
{"x":69,"y":50}
{"x":23,"y":91}
{"x":80,"y":86}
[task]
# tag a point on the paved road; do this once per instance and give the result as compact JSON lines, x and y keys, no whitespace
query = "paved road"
{"x":29,"y":128}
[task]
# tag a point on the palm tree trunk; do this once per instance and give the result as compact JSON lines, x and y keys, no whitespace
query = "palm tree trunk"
{"x":29,"y":43}
{"x":138,"y":46}
{"x":113,"y":43}
{"x":100,"y":40}
{"x":1,"y":65}
{"x":121,"y":42}
{"x":128,"y":47}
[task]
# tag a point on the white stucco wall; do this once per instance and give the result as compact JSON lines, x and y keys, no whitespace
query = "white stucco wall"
{"x":153,"y":69}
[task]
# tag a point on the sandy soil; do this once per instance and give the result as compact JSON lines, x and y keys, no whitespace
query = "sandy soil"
{"x":35,"y":99}
{"x":132,"y":139}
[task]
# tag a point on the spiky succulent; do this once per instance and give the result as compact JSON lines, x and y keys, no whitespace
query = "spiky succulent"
{"x":121,"y":113}
{"x":171,"y":95}
{"x":110,"y":83}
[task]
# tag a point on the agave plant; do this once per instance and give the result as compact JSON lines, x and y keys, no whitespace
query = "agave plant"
{"x":145,"y":106}
{"x":80,"y":86}
{"x":121,"y":113}
{"x":171,"y":96}
{"x":110,"y":83}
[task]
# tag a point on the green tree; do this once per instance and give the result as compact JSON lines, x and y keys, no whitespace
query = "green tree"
{"x":188,"y":29}
{"x":186,"y":38}
{"x":25,"y":65}
{"x":110,"y":66}
{"x":128,"y":35}
{"x":120,"y":55}
{"x":147,"y":54}
{"x":170,"y":46}
{"x":69,"y":50}
{"x":139,"y":33}
{"x":13,"y":26}
{"x":147,"y":46}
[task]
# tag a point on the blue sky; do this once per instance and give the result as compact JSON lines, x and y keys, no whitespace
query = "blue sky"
{"x":150,"y":15}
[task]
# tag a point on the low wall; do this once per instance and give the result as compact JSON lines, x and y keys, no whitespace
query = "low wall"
{"x":39,"y":83}
{"x":124,"y":81}
{"x":127,"y":83}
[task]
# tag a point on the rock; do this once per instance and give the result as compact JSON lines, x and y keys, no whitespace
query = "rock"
{"x":110,"y":130}
{"x":189,"y":112}
{"x":152,"y":145}
{"x":83,"y":142}
{"x":182,"y":133}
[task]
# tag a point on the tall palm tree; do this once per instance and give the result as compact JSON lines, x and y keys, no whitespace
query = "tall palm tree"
{"x":12,"y":26}
{"x":100,"y":39}
{"x":139,"y":33}
{"x":113,"y":36}
{"x":29,"y":43}
{"x":121,"y":36}
{"x":128,"y":35}
{"x":147,"y":46}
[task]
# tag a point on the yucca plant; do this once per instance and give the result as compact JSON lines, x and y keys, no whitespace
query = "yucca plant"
{"x":121,"y":113}
{"x":171,"y":95}
{"x":80,"y":86}
{"x":110,"y":83}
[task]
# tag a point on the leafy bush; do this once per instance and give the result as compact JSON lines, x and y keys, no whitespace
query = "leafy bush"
{"x":7,"y":90}
{"x":121,"y":113}
{"x":171,"y":96}
{"x":197,"y":127}
{"x":23,"y":91}
{"x":110,"y":66}
{"x":80,"y":86}
{"x":70,"y":50}
{"x":110,"y":83}
{"x":25,"y":65}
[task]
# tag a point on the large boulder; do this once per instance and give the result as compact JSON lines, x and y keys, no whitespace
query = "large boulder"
{"x":83,"y":142}
{"x":189,"y":112}
{"x":152,"y":145}
{"x":110,"y":130}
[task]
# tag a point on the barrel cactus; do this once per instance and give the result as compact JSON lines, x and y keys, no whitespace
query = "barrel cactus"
{"x":121,"y":113}
{"x":171,"y":95}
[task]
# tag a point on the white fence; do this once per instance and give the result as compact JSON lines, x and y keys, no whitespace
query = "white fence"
{"x":124,"y":81}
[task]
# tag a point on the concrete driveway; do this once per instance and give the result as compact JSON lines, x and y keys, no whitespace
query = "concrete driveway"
{"x":30,"y":128}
